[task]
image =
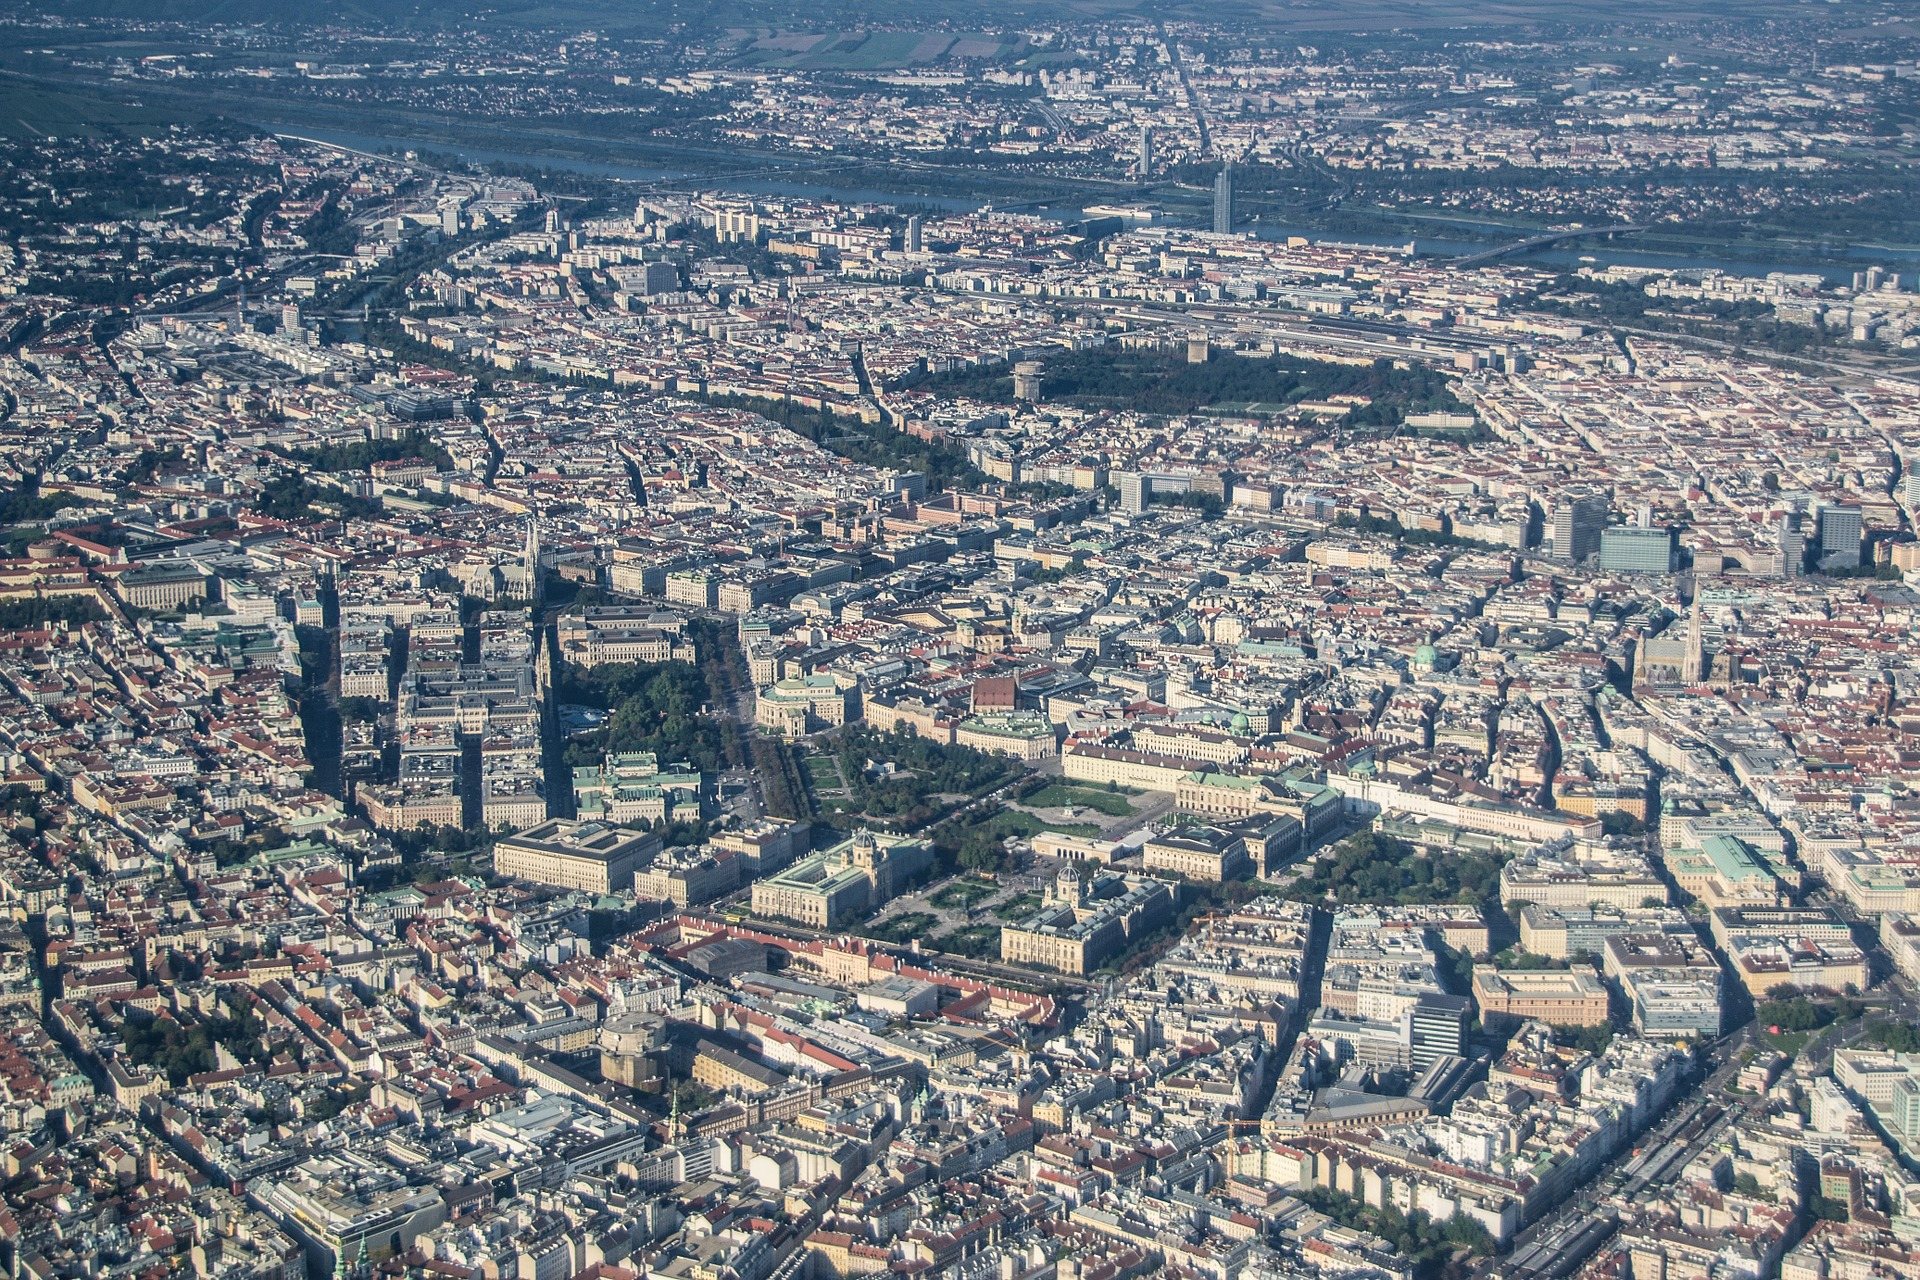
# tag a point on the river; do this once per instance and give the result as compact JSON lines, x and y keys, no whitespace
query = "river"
{"x":1833,"y":267}
{"x":797,"y":188}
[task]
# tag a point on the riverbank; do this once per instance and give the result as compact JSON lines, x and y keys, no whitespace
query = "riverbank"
{"x":854,"y":181}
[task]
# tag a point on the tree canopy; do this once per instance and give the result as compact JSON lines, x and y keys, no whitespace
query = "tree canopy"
{"x":652,"y":706}
{"x":1165,"y":383}
{"x":1383,"y":871}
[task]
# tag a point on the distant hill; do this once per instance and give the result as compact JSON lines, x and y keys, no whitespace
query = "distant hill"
{"x":703,"y":18}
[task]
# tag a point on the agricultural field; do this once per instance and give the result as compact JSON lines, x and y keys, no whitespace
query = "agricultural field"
{"x":30,"y":111}
{"x":877,"y":50}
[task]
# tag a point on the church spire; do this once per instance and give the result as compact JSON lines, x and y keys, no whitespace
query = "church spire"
{"x":530,"y":559}
{"x":1691,"y":661}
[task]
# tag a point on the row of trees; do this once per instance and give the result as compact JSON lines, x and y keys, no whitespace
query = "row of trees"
{"x":725,"y":668}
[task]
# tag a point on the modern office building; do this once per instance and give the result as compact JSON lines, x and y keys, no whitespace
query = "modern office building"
{"x":1793,"y":548}
{"x":1223,"y":200}
{"x":1668,"y":1007}
{"x":659,"y":277}
{"x":346,"y":1208}
{"x":1902,"y":1111}
{"x":1579,"y":517}
{"x":1631,"y":549}
{"x":1670,"y":982}
{"x":1438,"y":1028}
{"x":1561,"y":933}
{"x":1838,"y":529}
{"x":1900,"y":937}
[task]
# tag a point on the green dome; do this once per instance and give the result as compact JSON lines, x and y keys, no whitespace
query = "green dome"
{"x":1425,"y":656}
{"x":1241,"y":724}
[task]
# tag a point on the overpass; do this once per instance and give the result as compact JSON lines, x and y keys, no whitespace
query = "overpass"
{"x":1542,"y":241}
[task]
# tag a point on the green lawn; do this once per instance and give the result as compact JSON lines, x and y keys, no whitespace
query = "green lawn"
{"x":824,"y":774}
{"x":904,"y":928}
{"x":1014,"y":822}
{"x":961,"y":895}
{"x":1017,"y":906}
{"x":1787,"y":1042}
{"x":1059,"y":796}
{"x":977,"y":941}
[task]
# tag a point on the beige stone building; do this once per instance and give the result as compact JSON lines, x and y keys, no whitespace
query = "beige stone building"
{"x":835,"y":884}
{"x":1562,"y":997}
{"x":800,"y":705}
{"x":1210,"y":854}
{"x":1085,"y":920}
{"x":575,"y":855}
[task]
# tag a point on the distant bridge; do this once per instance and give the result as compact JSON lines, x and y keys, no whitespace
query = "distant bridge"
{"x":1542,"y":241}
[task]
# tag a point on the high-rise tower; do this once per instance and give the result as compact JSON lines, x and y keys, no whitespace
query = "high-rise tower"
{"x":1223,"y":199}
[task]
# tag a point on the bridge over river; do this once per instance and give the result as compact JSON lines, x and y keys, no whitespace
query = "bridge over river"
{"x":1542,"y":241}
